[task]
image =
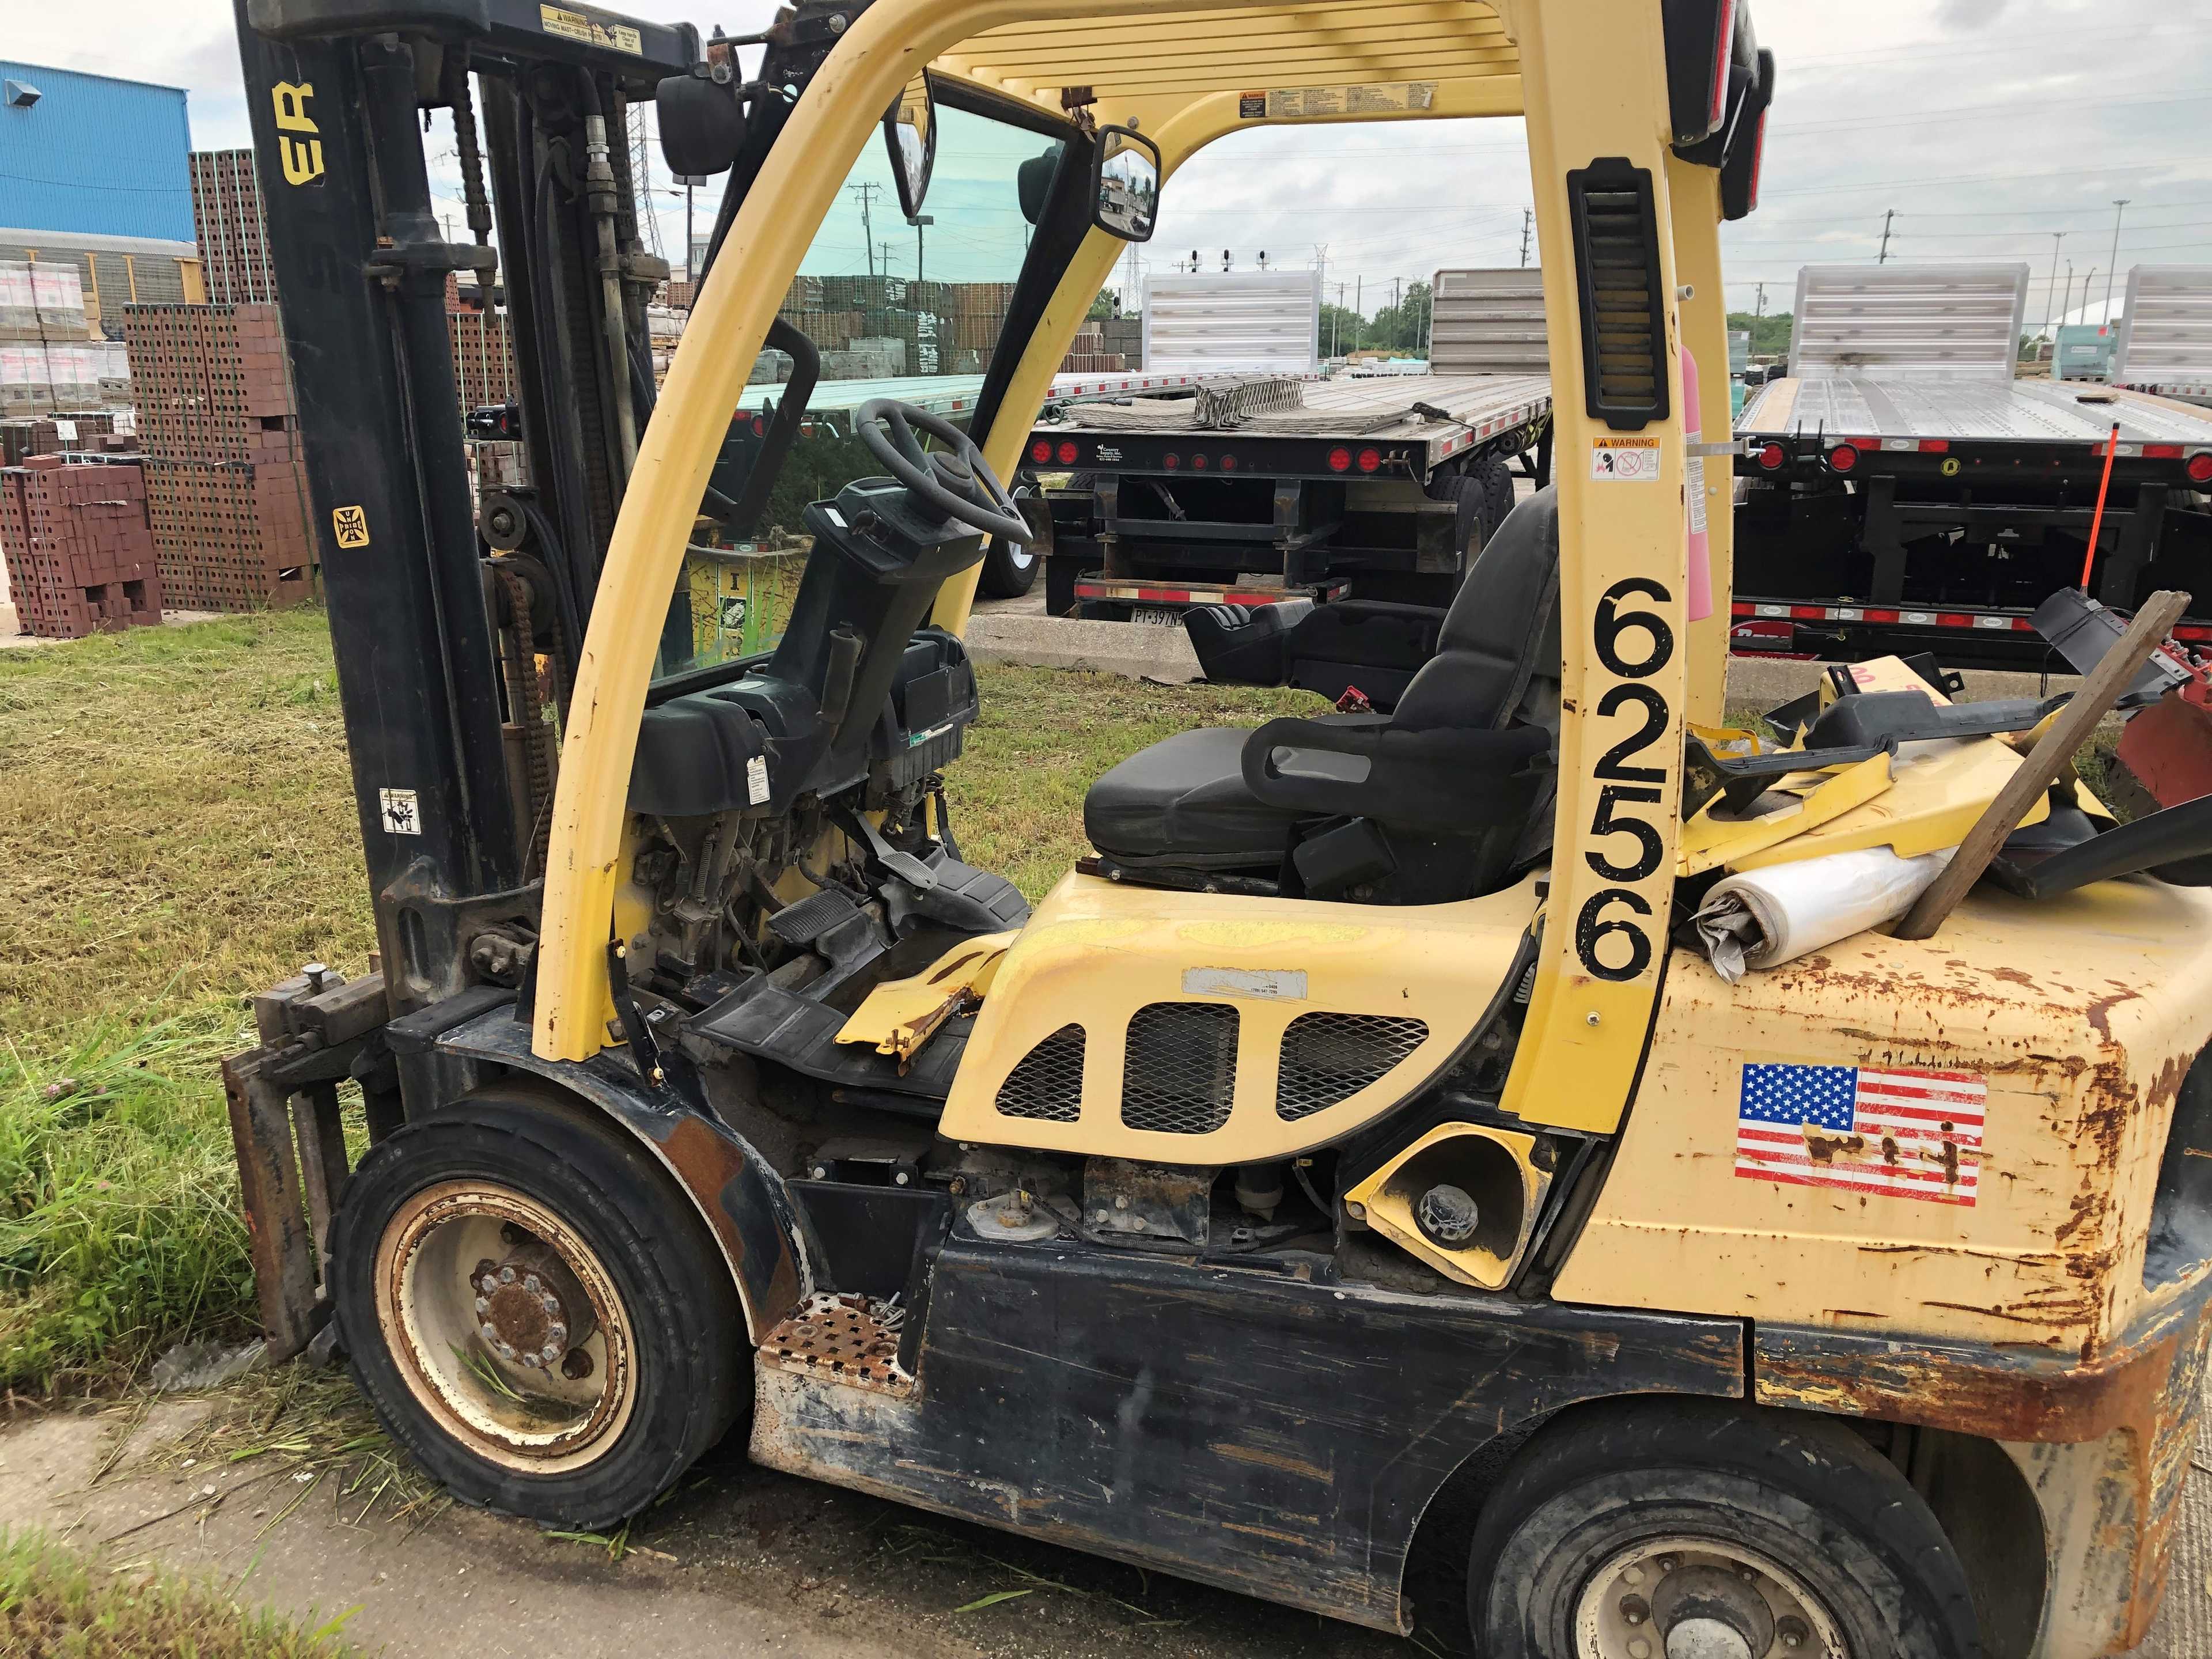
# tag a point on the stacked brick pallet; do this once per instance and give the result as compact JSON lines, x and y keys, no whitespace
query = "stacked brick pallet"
{"x":225,"y":491}
{"x":80,"y":555}
{"x":483,"y":356}
{"x":232,"y":231}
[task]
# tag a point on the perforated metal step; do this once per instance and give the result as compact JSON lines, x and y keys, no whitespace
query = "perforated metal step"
{"x":854,"y":1339}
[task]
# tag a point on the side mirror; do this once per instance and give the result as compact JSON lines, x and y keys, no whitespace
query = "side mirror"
{"x":910,"y":135}
{"x":1033,"y":182}
{"x":1126,"y":180}
{"x":702,"y":124}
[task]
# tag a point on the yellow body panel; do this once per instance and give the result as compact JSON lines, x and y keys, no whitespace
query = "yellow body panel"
{"x":1496,"y":1167}
{"x":2081,"y":1013}
{"x":900,"y":1015}
{"x":1713,"y":843}
{"x":1097,"y":951}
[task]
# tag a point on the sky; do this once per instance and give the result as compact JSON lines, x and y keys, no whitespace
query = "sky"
{"x":1982,"y":127}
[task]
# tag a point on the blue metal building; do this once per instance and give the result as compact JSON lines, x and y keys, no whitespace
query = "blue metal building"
{"x":88,"y":154}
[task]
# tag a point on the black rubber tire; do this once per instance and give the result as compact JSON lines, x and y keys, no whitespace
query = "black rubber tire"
{"x":1496,"y":480}
{"x":1473,"y":527}
{"x":1008,"y":571}
{"x":1805,"y":1492}
{"x":694,"y":1363}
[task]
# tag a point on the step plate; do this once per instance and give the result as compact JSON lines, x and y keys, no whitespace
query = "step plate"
{"x":850,"y":1338}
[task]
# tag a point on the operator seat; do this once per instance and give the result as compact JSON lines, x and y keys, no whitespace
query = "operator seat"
{"x":1441,"y":798}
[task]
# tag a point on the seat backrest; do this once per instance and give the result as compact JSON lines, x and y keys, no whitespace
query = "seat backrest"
{"x":1497,"y":656}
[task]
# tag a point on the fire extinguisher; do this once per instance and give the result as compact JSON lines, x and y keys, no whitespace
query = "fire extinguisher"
{"x":1694,"y":489}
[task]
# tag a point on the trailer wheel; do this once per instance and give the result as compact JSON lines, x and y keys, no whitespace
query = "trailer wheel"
{"x":1497,"y":481}
{"x":535,"y":1310}
{"x":1472,"y":524}
{"x":1010,"y":571}
{"x":1666,"y":1527}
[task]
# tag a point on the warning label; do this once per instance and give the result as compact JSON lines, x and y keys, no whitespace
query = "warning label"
{"x":1617,"y":458}
{"x":1251,"y":106}
{"x":572,"y":25}
{"x":1370,"y":98}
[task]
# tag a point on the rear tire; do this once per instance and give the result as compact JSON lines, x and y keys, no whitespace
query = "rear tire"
{"x":1497,"y":481}
{"x":1010,"y":571}
{"x":1580,"y":1550}
{"x":552,"y":1206}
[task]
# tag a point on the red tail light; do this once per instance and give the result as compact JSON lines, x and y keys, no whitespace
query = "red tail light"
{"x":1198,"y":463}
{"x":1758,"y":155}
{"x":1228,"y":463}
{"x":1723,"y":50}
{"x":1369,"y":459}
{"x":2161,"y":451}
{"x":1041,"y":451}
{"x":1339,"y":459}
{"x":2200,"y":467}
{"x":1069,"y":451}
{"x":1171,"y":460}
{"x":1935,"y":445}
{"x":760,"y":426}
{"x":1770,"y":456}
{"x":1842,"y":457}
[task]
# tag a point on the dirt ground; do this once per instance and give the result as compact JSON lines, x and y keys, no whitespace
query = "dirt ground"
{"x":742,"y":1562}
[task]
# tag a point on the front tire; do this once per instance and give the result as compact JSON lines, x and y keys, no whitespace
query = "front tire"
{"x":1725,"y":1530}
{"x":535,"y":1310}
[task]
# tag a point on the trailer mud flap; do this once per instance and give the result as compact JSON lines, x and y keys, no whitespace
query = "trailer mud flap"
{"x":1271,"y":1435}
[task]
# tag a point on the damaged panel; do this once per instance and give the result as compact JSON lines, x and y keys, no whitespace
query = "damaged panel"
{"x":1276,"y":1437}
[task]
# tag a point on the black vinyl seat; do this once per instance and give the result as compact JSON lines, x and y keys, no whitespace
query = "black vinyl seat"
{"x":1445,"y":794}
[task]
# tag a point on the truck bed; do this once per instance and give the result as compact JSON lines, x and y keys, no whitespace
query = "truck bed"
{"x":1382,"y":410}
{"x":956,"y":394}
{"x":2040,"y":412}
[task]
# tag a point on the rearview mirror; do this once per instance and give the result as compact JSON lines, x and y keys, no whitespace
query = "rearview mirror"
{"x":1126,"y":184}
{"x":702,"y":124}
{"x":910,"y":135}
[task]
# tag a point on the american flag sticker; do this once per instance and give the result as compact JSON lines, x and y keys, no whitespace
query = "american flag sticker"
{"x":1901,"y":1132}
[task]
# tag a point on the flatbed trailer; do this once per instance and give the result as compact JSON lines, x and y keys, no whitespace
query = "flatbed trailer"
{"x":1897,"y":504}
{"x":1380,"y":489}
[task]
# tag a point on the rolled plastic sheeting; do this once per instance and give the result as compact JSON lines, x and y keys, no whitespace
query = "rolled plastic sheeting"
{"x":1764,"y":918}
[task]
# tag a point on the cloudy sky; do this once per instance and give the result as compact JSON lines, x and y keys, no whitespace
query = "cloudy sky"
{"x":1984,"y":125}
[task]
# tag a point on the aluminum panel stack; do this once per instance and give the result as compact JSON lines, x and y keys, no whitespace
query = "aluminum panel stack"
{"x":2166,"y":339}
{"x":80,"y":555}
{"x":232,"y":231}
{"x":226,"y":489}
{"x":1909,"y":322}
{"x":1489,"y":321}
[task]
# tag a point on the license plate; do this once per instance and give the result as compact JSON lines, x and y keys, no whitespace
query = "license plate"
{"x":1157,"y":616}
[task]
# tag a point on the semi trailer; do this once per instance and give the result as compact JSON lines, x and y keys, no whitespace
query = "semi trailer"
{"x":1900,"y":491}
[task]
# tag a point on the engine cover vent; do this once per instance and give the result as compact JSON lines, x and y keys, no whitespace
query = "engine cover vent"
{"x":1047,"y":1083}
{"x":1332,"y":1057}
{"x":1622,"y":302}
{"x":1179,"y":1070}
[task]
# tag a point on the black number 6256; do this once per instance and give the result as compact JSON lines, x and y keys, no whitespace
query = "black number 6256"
{"x":1617,"y":913}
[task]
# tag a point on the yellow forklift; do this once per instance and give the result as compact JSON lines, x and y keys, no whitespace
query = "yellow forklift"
{"x":1346,"y":1185}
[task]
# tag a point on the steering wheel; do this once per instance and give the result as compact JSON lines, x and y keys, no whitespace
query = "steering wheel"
{"x":958,"y":485}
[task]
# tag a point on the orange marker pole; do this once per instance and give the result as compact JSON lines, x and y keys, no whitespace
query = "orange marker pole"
{"x":2097,"y":518}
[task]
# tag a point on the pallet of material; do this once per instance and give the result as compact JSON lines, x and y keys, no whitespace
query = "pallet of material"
{"x":79,"y":551}
{"x":231,"y":535}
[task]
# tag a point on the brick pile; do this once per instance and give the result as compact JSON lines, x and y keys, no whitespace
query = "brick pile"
{"x":80,"y":555}
{"x":232,"y":229}
{"x":226,"y":488}
{"x":483,"y":356}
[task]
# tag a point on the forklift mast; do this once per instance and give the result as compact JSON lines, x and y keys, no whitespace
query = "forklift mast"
{"x":453,"y":761}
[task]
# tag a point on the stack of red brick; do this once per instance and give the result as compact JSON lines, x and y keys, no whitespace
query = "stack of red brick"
{"x":226,"y":487}
{"x":80,"y":555}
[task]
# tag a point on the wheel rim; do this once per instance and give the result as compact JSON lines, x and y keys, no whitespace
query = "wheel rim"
{"x":1701,"y":1598}
{"x":1019,"y":556}
{"x":462,"y":1350}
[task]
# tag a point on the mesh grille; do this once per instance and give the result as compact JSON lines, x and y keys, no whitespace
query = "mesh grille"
{"x":1330,"y":1057}
{"x":1622,"y":310}
{"x":1179,"y":1070}
{"x":1048,"y":1084}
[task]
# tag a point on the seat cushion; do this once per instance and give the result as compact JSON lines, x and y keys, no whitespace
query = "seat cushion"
{"x":1184,"y":799}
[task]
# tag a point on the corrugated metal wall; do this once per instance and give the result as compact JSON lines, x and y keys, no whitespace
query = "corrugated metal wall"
{"x":95,"y":155}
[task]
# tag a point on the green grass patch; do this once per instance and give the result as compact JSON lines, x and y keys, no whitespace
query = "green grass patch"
{"x":179,"y":832}
{"x":57,"y":1604}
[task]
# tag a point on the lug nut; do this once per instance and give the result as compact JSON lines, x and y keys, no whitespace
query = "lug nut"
{"x":1792,"y":1630}
{"x":559,"y":1335}
{"x":551,"y":1303}
{"x":489,"y":1283}
{"x":506,"y":1351}
{"x":530,"y":1283}
{"x":1634,"y":1610}
{"x":490,"y":1332}
{"x":483,"y":1304}
{"x":507,"y":1275}
{"x":548,"y":1354}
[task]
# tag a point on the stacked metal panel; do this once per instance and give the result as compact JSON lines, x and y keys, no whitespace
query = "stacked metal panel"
{"x":232,"y":230}
{"x":80,"y":555}
{"x":226,"y":487}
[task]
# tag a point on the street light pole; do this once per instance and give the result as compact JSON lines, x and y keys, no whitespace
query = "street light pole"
{"x":2118,"y":206}
{"x":2050,"y":292}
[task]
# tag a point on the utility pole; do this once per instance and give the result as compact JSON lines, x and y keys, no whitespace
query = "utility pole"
{"x":2112,"y":271}
{"x":866,"y":192}
{"x":884,"y":248}
{"x":1528,"y":223}
{"x":920,"y":219}
{"x":1758,"y":307}
{"x":1359,"y":311}
{"x":2051,"y":292}
{"x":1882,"y":257}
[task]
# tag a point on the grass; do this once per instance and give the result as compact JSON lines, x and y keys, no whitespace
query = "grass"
{"x":179,"y":832}
{"x":57,"y":1604}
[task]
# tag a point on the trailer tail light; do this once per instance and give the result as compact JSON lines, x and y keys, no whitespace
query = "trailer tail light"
{"x":1935,"y":445}
{"x":1198,"y":463}
{"x":1171,"y":460}
{"x":1041,"y":451}
{"x":1069,"y":451}
{"x":1770,"y":456}
{"x":1339,"y":459}
{"x":1228,"y":463}
{"x":760,"y":426}
{"x":1842,"y":457}
{"x":1369,"y":459}
{"x":2200,"y":467}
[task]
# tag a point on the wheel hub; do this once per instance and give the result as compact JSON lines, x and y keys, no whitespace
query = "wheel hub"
{"x":530,"y":1308}
{"x":1701,"y":1598}
{"x":1709,"y":1613}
